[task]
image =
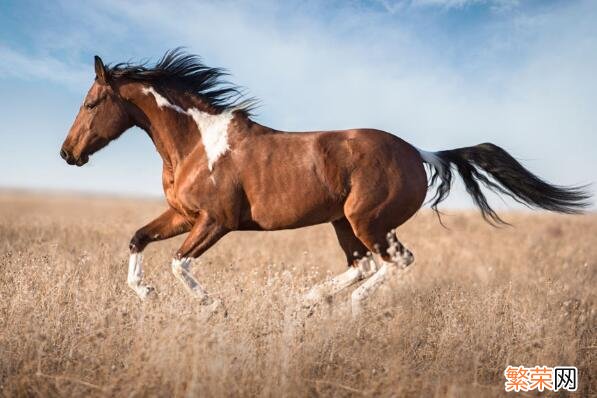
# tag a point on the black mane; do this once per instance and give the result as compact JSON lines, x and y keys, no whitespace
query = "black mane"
{"x":186,"y":72}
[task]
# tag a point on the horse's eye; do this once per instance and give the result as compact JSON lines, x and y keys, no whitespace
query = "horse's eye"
{"x":90,"y":105}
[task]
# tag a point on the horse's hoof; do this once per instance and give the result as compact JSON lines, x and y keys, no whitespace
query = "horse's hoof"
{"x":214,"y":306}
{"x":311,"y":299}
{"x":146,"y":292}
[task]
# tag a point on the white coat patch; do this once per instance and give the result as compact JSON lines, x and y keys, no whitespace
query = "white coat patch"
{"x":160,"y":100}
{"x":213,"y":128}
{"x":214,"y":133}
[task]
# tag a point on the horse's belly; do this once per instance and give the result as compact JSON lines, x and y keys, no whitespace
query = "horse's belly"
{"x":291,"y":203}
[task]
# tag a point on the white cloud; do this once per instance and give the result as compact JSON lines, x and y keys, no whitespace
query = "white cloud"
{"x":394,"y":6}
{"x":27,"y":66}
{"x":448,"y":3}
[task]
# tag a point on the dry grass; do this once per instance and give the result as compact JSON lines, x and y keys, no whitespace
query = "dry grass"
{"x":475,"y":300}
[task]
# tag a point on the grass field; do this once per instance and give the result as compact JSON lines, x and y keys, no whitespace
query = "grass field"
{"x":475,"y":300}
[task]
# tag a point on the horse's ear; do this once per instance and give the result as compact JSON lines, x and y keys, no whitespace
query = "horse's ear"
{"x":100,"y":71}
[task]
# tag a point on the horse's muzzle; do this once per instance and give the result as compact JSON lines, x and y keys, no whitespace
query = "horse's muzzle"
{"x":70,"y":159}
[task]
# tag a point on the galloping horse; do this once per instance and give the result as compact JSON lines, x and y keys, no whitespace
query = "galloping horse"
{"x":224,"y":172}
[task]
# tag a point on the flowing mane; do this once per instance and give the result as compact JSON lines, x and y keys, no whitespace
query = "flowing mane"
{"x":186,"y":72}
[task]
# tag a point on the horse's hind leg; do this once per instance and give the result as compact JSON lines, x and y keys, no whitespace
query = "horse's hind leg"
{"x":373,"y":222}
{"x":353,"y":249}
{"x":398,"y":258}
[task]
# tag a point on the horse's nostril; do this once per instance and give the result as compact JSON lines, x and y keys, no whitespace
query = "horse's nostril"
{"x":63,"y":154}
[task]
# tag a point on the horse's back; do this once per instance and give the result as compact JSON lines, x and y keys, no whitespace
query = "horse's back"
{"x":316,"y":173}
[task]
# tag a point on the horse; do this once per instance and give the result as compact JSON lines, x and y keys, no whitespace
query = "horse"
{"x":224,"y":172}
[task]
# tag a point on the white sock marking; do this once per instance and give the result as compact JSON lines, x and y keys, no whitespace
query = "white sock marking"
{"x":367,"y":288}
{"x":213,"y":128}
{"x":135,"y":276}
{"x":181,"y":270}
{"x":332,"y":286}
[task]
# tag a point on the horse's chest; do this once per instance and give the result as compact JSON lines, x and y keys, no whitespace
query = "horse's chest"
{"x":173,"y":195}
{"x":172,"y":198}
{"x":190,"y":192}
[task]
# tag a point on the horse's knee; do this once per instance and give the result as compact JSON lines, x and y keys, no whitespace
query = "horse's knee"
{"x":139,"y":241}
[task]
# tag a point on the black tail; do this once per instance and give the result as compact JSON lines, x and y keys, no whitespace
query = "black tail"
{"x":508,"y":177}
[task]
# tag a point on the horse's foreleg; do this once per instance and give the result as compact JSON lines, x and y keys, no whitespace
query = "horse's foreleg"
{"x":169,"y":224}
{"x":204,"y":234}
{"x":135,"y":276}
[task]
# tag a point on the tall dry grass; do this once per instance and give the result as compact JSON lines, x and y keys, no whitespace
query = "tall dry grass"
{"x":476,"y":300}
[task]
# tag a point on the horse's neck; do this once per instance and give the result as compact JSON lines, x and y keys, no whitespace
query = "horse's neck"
{"x":168,"y":124}
{"x":181,"y":123}
{"x":172,"y":143}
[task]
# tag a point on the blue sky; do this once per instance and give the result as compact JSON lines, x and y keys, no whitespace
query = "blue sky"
{"x":439,"y":73}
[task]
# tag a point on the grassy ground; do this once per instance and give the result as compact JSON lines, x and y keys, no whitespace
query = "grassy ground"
{"x":476,"y":300}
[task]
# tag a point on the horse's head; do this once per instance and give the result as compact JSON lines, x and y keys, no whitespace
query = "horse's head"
{"x":102,"y":118}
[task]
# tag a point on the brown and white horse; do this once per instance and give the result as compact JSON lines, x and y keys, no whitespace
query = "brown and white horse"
{"x":224,"y":172}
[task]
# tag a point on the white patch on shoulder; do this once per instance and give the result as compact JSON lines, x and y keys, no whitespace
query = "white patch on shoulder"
{"x":214,"y":133}
{"x":213,"y":128}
